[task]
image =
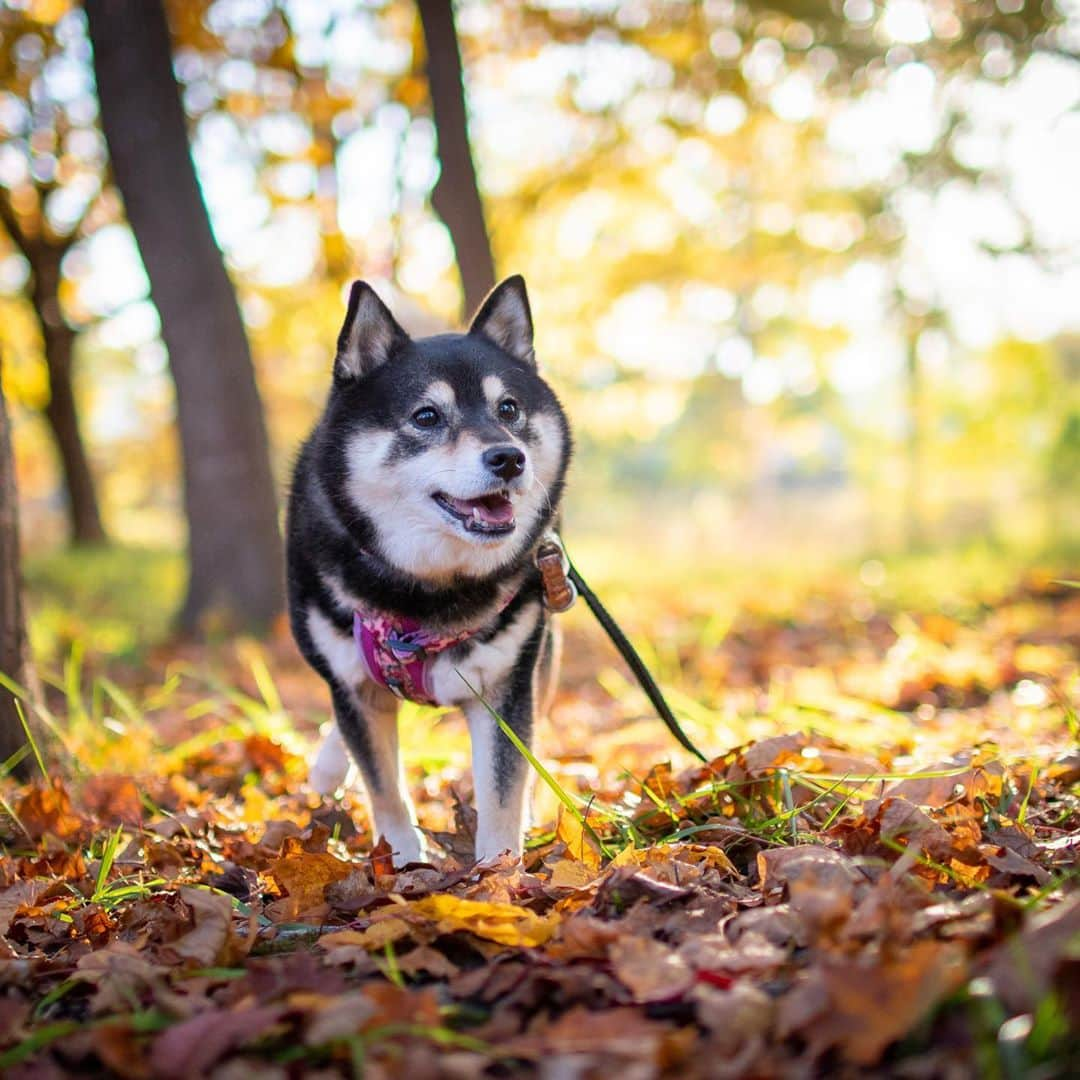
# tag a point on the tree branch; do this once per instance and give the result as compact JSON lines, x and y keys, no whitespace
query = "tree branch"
{"x":14,"y":227}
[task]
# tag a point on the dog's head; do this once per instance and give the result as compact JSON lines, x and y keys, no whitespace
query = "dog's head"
{"x":449,"y":450}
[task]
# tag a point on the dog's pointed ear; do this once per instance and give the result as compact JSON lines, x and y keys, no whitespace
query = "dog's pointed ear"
{"x":369,"y":335}
{"x":504,"y":318}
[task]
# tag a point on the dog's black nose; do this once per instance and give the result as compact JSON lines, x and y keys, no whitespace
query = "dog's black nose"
{"x":505,"y":462}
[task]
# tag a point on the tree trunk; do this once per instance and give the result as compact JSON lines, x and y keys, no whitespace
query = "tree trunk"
{"x":914,"y":517}
{"x":13,"y":652}
{"x":84,"y":517}
{"x":234,"y":540}
{"x":456,"y":197}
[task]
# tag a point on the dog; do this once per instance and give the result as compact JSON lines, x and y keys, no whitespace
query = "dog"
{"x":416,"y":507}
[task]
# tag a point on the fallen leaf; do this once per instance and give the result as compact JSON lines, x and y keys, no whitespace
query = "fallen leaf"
{"x":871,"y":1005}
{"x":738,"y":1018}
{"x":1023,"y":967}
{"x":650,"y":970}
{"x":568,"y":874}
{"x":506,"y":924}
{"x":304,"y":875}
{"x":579,"y":844}
{"x":339,"y":1017}
{"x":375,"y":938}
{"x":188,"y":1049}
{"x":211,"y":941}
{"x":113,"y":799}
{"x":46,"y":811}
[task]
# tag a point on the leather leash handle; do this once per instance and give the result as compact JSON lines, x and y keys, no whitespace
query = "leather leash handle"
{"x":636,"y":664}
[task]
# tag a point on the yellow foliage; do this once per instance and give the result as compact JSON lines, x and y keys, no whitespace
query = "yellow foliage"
{"x":377,"y":936}
{"x":506,"y":924}
{"x":567,"y":874}
{"x":579,"y":845}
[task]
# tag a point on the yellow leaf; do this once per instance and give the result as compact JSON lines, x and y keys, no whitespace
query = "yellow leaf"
{"x":507,"y":924}
{"x":567,"y":874}
{"x":376,"y":937}
{"x":629,"y":856}
{"x":579,"y":845}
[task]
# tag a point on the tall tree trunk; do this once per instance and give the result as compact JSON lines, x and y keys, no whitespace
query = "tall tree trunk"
{"x":84,"y":517}
{"x":45,"y":256}
{"x":234,"y":540}
{"x":13,"y":651}
{"x":456,"y":197}
{"x":914,"y":517}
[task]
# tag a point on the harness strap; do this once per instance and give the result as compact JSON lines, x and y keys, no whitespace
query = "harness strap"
{"x":398,"y":651}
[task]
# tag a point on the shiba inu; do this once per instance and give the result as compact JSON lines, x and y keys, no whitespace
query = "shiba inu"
{"x":416,"y":507}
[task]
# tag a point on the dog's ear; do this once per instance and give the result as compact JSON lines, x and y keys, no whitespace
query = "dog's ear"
{"x":504,"y":317}
{"x":368,"y":337}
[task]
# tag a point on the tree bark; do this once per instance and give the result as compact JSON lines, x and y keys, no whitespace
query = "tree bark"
{"x":58,"y":339}
{"x":84,"y":516}
{"x":914,"y":517}
{"x":456,"y":197}
{"x":234,"y":539}
{"x":13,"y":651}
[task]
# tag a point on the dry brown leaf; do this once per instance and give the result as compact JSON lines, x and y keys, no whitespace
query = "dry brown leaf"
{"x":1022,"y":968}
{"x":304,"y":875}
{"x":113,"y":799}
{"x":736,"y":1016}
{"x":188,"y":1049}
{"x":120,"y":975}
{"x":649,"y":969}
{"x":46,"y":811}
{"x":212,"y":940}
{"x":334,"y":1017}
{"x":871,"y":1005}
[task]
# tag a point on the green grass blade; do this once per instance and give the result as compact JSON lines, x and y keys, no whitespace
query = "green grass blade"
{"x":31,"y":740}
{"x":265,"y":683}
{"x":544,"y":775}
{"x":120,"y":698}
{"x":108,"y":857}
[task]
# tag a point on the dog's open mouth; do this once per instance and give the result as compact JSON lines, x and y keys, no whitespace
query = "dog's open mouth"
{"x":489,"y":514}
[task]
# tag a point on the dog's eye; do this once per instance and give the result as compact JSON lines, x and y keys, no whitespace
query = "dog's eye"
{"x":427,"y":417}
{"x":509,"y":411}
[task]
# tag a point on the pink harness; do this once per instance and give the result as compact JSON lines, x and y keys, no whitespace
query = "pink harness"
{"x":398,"y":652}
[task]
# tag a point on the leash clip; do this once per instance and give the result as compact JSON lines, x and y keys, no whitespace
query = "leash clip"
{"x":550,"y":558}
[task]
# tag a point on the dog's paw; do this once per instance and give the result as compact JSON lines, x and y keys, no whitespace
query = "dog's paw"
{"x":409,"y":846}
{"x":326,"y":781}
{"x":490,"y":853}
{"x":492,"y":863}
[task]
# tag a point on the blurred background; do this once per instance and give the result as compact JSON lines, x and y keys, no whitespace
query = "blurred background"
{"x":806,"y":273}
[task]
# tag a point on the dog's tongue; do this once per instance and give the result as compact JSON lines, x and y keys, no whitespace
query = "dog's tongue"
{"x":490,"y":509}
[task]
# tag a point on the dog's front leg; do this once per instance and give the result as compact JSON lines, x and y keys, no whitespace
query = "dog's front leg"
{"x":500,"y":772}
{"x":330,"y":769}
{"x":367,"y":720}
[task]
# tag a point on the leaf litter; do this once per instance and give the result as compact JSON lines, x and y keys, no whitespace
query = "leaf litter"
{"x":887,"y":887}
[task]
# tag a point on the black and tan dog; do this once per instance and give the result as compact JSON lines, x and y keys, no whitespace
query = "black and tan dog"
{"x":417,"y":505}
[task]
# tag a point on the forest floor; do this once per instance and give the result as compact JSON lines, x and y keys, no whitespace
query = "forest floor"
{"x":876,"y":873}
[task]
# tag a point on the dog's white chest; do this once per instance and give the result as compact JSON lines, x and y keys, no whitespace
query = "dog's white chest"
{"x":486,"y":665}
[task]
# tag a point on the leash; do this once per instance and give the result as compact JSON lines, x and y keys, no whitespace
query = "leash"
{"x":562,"y":585}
